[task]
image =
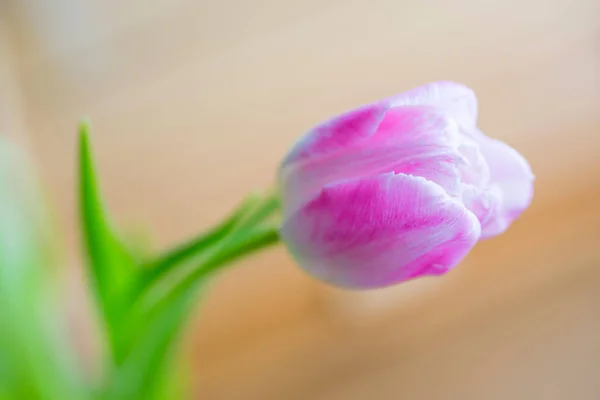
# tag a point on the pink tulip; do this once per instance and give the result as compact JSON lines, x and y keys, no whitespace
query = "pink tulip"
{"x":399,"y":189}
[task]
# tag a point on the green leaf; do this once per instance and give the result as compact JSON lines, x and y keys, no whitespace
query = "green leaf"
{"x":35,"y":360}
{"x":145,"y":374}
{"x":161,"y":321}
{"x":111,"y":268}
{"x":143,"y":326}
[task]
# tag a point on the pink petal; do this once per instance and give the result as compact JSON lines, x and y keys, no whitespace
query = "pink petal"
{"x":476,"y":170}
{"x":378,"y":231}
{"x":485,"y":204}
{"x":511,"y":175}
{"x":456,"y":99}
{"x":420,"y":141}
{"x":338,"y":133}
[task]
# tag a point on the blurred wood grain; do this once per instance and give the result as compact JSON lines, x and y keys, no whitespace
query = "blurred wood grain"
{"x":194,"y":103}
{"x":12,"y":120}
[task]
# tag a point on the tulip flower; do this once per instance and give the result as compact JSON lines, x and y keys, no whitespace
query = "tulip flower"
{"x":391,"y":191}
{"x":398,"y":189}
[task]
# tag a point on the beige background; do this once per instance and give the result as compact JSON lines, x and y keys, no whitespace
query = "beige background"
{"x":193,"y":103}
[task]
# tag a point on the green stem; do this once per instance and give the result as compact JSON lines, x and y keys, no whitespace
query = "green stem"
{"x":156,"y":269}
{"x":258,"y":240}
{"x":242,"y":223}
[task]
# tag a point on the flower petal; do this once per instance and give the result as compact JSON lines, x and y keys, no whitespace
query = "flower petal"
{"x":485,"y":204}
{"x":338,"y":133}
{"x":378,"y":231}
{"x":420,"y":141}
{"x":456,"y":99}
{"x":476,"y":170}
{"x":511,"y":174}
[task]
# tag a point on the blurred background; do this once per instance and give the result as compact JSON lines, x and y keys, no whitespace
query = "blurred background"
{"x":192,"y":105}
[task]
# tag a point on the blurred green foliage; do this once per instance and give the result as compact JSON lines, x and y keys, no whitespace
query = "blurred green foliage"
{"x":142,"y":304}
{"x":35,"y":362}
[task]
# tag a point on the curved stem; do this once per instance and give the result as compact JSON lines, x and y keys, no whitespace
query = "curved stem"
{"x":153,"y":270}
{"x":240,"y":224}
{"x":259,"y":240}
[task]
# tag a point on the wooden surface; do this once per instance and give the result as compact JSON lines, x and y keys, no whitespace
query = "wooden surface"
{"x":194,"y":103}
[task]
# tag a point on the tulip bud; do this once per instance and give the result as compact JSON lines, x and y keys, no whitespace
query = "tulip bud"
{"x":398,"y":189}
